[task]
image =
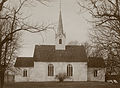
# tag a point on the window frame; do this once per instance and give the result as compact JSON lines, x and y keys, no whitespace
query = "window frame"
{"x":25,"y":73}
{"x":60,"y":41}
{"x":50,"y":70}
{"x":95,"y":73}
{"x":69,"y":70}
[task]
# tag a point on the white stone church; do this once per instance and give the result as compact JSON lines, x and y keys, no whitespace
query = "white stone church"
{"x":50,"y":60}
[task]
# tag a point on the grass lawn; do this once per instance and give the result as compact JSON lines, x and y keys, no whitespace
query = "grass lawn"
{"x":62,"y":85}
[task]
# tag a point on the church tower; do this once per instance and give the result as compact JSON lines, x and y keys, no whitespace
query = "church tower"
{"x":60,"y":36}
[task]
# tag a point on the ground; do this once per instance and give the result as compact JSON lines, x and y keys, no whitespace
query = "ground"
{"x":62,"y":85}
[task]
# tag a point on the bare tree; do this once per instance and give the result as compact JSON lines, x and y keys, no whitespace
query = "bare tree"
{"x":92,"y":50}
{"x":11,"y":23}
{"x":106,"y":31}
{"x":2,"y":4}
{"x":88,"y":49}
{"x":8,"y":49}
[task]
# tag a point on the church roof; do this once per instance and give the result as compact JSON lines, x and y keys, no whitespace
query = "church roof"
{"x":24,"y":62}
{"x":47,"y":53}
{"x":96,"y":62}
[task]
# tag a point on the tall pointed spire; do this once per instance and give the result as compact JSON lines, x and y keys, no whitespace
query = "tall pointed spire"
{"x":60,"y":25}
{"x":60,"y":36}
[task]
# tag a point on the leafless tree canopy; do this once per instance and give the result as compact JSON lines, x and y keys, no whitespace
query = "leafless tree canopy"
{"x":106,"y":31}
{"x":11,"y":23}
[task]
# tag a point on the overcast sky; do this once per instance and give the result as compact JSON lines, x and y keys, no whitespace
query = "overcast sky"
{"x":74,"y":24}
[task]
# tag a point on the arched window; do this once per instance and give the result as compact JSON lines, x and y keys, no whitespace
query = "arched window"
{"x":25,"y":73}
{"x":69,"y":70}
{"x":95,"y":73}
{"x":60,"y":41}
{"x":50,"y":70}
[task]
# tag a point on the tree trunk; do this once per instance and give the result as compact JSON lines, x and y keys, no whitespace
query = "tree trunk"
{"x":2,"y":78}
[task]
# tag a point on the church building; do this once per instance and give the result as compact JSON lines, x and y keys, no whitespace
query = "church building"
{"x":51,"y":60}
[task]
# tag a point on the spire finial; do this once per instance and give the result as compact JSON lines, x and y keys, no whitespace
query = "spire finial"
{"x":60,"y":5}
{"x":60,"y":25}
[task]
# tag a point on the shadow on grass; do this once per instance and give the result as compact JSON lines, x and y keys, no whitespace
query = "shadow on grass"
{"x":61,"y":85}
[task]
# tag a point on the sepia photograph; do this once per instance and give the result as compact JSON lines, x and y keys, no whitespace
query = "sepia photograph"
{"x":59,"y":43}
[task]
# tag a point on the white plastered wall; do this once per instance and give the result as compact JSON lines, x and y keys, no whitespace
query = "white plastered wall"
{"x":100,"y":74}
{"x":40,"y":71}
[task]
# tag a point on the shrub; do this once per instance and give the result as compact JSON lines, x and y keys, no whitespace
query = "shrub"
{"x":61,"y":77}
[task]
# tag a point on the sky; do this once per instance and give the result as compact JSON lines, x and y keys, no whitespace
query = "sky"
{"x":75,"y":24}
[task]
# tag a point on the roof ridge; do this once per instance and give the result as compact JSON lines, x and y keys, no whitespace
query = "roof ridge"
{"x":24,"y":57}
{"x":44,"y":45}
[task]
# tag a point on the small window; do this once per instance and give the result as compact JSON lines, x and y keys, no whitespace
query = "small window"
{"x":50,"y":70}
{"x":25,"y":73}
{"x":60,"y":41}
{"x":69,"y":70}
{"x":95,"y":73}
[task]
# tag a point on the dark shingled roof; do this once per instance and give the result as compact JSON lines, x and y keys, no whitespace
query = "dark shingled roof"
{"x":47,"y":53}
{"x":96,"y":62}
{"x":72,"y":53}
{"x":24,"y":62}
